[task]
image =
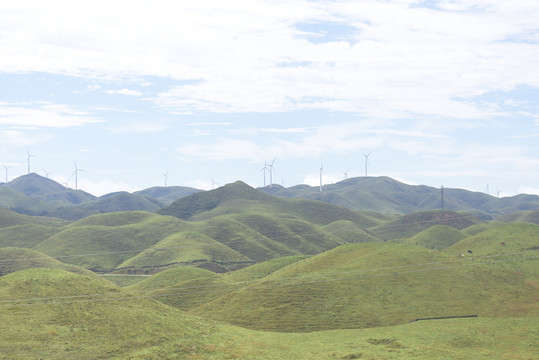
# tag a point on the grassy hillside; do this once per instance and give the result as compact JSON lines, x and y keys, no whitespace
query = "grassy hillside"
{"x":437,"y":237}
{"x":388,"y":196}
{"x":411,"y":224}
{"x":186,"y":248}
{"x":168,"y":194}
{"x":513,"y":246}
{"x":103,"y":247}
{"x":14,"y":259}
{"x":115,"y":325}
{"x":371,"y":285}
{"x":241,"y":198}
{"x":531,"y":216}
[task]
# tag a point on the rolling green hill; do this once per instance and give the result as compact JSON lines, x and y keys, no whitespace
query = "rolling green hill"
{"x":513,"y":246}
{"x":389,"y":196}
{"x":68,"y":316}
{"x":103,"y":247}
{"x":411,"y":224}
{"x":531,"y":216}
{"x":13,"y":259}
{"x":437,"y":237}
{"x":167,"y":194}
{"x":372,"y":285}
{"x":241,"y":198}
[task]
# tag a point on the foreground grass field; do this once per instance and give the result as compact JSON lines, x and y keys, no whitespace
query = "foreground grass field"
{"x":69,"y":316}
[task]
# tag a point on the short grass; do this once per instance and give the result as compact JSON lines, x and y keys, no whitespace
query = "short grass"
{"x":511,"y":246}
{"x":103,"y":247}
{"x":13,"y":259}
{"x":116,"y":325}
{"x":437,"y":237}
{"x":372,"y":285}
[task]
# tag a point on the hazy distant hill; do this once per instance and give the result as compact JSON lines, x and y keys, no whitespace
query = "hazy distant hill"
{"x":167,"y":194}
{"x":36,"y":195}
{"x":387,"y":196}
{"x":239,"y":197}
{"x":48,"y":190}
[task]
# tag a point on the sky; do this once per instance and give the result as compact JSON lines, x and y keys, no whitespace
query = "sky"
{"x":204,"y":93}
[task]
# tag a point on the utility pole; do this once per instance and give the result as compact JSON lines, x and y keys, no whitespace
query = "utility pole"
{"x":442,"y":196}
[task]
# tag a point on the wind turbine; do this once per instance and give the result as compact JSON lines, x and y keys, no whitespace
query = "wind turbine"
{"x":271,"y":171}
{"x":47,"y":173}
{"x":321,"y":171}
{"x":346,"y":174}
{"x":264,"y":169}
{"x":6,"y":167}
{"x":76,"y":173}
{"x":29,"y":156}
{"x":366,"y":162}
{"x":166,"y":177}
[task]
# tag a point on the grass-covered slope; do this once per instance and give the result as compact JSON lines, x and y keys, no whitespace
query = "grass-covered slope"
{"x":411,"y":224}
{"x":167,"y":194}
{"x":241,"y":198}
{"x":389,"y":196}
{"x":186,"y":248}
{"x":370,"y":285}
{"x":531,"y":216}
{"x":14,"y":259}
{"x":103,"y":247}
{"x":76,"y":317}
{"x":437,"y":237}
{"x":514,"y":246}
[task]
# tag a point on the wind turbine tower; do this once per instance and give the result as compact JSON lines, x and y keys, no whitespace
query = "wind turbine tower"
{"x":166,"y":177}
{"x":321,"y":171}
{"x":6,"y":167}
{"x":76,"y":173}
{"x":271,"y":171}
{"x":264,"y":169}
{"x":47,"y":173}
{"x":29,"y":156}
{"x":366,"y":163}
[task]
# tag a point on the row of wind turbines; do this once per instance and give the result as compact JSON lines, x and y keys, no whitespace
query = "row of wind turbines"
{"x":29,"y":156}
{"x":269,"y":168}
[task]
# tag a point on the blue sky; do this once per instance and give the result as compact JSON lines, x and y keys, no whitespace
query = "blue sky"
{"x":438,"y":92}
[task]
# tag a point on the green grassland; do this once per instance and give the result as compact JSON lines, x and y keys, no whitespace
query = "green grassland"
{"x":53,"y":314}
{"x":369,"y":285}
{"x":512,"y":246}
{"x":437,"y":237}
{"x":105,"y":246}
{"x":14,"y":259}
{"x":411,"y":224}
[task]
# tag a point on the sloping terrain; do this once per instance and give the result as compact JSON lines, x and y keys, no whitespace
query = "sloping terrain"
{"x":388,"y":196}
{"x":437,"y":237}
{"x":14,"y":259}
{"x":168,"y":194}
{"x":513,"y":246}
{"x":372,"y":285}
{"x":53,"y":314}
{"x":411,"y":224}
{"x":103,"y":247}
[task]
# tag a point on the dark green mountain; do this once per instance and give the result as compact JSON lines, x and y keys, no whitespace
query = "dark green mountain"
{"x":167,"y":194}
{"x":388,"y":196}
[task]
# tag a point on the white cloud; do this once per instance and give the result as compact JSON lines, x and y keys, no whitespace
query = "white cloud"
{"x":402,"y":60}
{"x":126,"y":92}
{"x":43,"y":114}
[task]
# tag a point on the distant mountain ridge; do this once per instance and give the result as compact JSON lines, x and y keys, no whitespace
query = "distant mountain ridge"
{"x":33,"y":194}
{"x":388,"y":196}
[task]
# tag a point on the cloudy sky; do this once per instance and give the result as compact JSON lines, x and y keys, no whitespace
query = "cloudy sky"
{"x":438,"y":92}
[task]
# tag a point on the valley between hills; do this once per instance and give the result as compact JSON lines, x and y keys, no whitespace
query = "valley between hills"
{"x":369,"y":268}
